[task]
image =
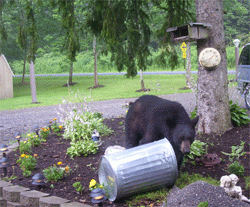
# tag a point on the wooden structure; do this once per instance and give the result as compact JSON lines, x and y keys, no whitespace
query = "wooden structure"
{"x":6,"y":79}
{"x":188,"y":33}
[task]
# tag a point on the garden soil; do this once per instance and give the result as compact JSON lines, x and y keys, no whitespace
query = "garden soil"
{"x":85,"y":169}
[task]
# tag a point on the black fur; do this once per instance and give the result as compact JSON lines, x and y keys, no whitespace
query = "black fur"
{"x":151,"y":118}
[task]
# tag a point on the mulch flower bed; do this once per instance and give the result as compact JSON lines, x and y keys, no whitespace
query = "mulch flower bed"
{"x":84,"y":169}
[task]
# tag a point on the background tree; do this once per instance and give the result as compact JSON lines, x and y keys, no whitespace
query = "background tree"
{"x":3,"y":34}
{"x":124,"y":27}
{"x":212,"y":95}
{"x":72,"y":44}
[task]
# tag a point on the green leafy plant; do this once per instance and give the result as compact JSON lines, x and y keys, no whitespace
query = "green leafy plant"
{"x":236,"y":168}
{"x":34,"y":140}
{"x":78,"y":186}
{"x":55,"y":127}
{"x":247,"y":181}
{"x":193,"y":113}
{"x":27,"y":163}
{"x":82,"y":147}
{"x":203,"y":204}
{"x":238,"y":115}
{"x":44,"y":132}
{"x":237,"y":152}
{"x":79,"y":125}
{"x":197,"y":149}
{"x":55,"y":173}
{"x":25,"y":147}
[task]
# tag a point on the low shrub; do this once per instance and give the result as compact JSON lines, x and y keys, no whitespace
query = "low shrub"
{"x":55,"y":173}
{"x":236,"y":168}
{"x":239,"y":116}
{"x":27,"y":163}
{"x":197,"y":149}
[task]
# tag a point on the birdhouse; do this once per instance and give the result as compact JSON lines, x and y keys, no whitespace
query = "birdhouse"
{"x":189,"y":33}
{"x":6,"y":79}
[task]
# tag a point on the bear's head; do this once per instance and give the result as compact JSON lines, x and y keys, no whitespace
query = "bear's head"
{"x":183,"y":135}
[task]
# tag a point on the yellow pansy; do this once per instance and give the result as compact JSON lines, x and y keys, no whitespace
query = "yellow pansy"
{"x":92,"y":183}
{"x":59,"y":163}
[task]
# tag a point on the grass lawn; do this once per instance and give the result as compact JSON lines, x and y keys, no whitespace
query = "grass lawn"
{"x":50,"y":91}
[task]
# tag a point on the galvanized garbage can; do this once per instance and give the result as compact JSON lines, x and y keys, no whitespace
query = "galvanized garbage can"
{"x":139,"y":169}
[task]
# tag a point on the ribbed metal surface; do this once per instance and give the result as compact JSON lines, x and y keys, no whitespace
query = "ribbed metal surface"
{"x":138,"y":169}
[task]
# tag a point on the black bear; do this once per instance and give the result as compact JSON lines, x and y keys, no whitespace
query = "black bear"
{"x":151,"y":118}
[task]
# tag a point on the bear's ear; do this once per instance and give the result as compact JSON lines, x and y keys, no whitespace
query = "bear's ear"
{"x":194,"y":121}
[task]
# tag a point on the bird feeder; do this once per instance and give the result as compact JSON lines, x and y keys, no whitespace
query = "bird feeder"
{"x":189,"y":33}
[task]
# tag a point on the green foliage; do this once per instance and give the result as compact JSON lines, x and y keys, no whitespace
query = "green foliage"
{"x":78,"y":186}
{"x":247,"y":181}
{"x":34,"y":139}
{"x":55,"y":173}
{"x":203,"y":204}
{"x":236,"y":168}
{"x":55,"y":127}
{"x":155,"y":196}
{"x":27,"y":163}
{"x":238,"y":115}
{"x":25,"y":147}
{"x":197,"y":149}
{"x":193,"y":113}
{"x":185,"y":179}
{"x":79,"y":125}
{"x":82,"y":147}
{"x":44,"y":132}
{"x":237,"y":152}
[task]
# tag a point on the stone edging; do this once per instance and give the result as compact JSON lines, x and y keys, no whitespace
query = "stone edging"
{"x":13,"y":195}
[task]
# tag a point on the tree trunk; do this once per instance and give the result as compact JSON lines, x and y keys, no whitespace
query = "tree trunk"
{"x":71,"y":73}
{"x":142,"y":82}
{"x":24,"y":66}
{"x":212,"y":95}
{"x":33,"y":82}
{"x":95,"y":60}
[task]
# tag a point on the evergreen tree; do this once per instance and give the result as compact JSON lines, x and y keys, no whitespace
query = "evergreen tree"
{"x":69,"y":21}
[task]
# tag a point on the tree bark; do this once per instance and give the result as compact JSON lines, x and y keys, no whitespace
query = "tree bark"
{"x":71,"y":73}
{"x":212,"y":95}
{"x":142,"y":82}
{"x":24,"y":66}
{"x":95,"y":62}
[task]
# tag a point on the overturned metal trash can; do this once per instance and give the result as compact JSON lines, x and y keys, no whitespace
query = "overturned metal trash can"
{"x":138,"y":169}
